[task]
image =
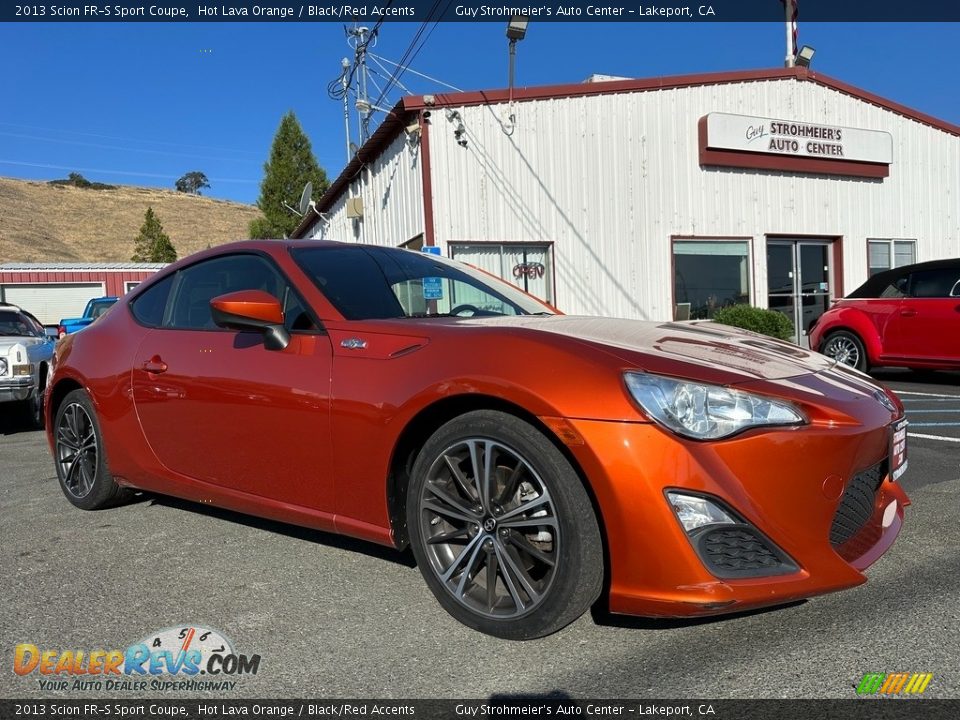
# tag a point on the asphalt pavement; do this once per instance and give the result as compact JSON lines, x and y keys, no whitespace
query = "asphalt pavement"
{"x":333,"y":617}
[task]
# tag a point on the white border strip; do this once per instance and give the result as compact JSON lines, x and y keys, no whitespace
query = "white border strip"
{"x":934,"y":437}
{"x":922,"y":394}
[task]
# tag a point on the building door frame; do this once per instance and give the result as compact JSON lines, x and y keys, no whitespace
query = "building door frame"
{"x":802,"y":299}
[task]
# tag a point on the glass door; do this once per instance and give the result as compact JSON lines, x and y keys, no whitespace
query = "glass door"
{"x":799,"y":282}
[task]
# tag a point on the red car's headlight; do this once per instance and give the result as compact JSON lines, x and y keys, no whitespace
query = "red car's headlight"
{"x":706,"y":412}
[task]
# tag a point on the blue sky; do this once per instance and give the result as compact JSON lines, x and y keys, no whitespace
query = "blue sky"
{"x":143,"y":103}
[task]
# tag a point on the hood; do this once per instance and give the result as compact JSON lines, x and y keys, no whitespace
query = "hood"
{"x":681,"y":349}
{"x":8,"y":342}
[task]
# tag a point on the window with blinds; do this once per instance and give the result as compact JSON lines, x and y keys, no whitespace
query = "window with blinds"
{"x":888,"y":253}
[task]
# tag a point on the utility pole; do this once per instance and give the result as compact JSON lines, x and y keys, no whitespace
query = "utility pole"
{"x":363,"y":101}
{"x":345,"y":67}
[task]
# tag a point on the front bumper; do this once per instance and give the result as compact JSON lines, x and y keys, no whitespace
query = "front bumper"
{"x":13,"y":389}
{"x":786,"y":483}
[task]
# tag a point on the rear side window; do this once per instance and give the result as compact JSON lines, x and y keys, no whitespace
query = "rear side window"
{"x":149,"y":306}
{"x":896,"y":289}
{"x":934,"y":283}
{"x":353,"y":281}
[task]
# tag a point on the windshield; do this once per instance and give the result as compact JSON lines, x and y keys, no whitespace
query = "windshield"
{"x":13,"y":323}
{"x":368,"y":282}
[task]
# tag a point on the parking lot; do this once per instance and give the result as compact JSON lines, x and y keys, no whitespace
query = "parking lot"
{"x":338,"y":618}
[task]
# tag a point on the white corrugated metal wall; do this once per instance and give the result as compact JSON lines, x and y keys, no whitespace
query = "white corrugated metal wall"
{"x":392,"y":190}
{"x":610,"y":178}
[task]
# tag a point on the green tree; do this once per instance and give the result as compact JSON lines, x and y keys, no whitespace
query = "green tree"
{"x":78,"y":180}
{"x":153,"y":244}
{"x":290,"y":166}
{"x":192,"y":183}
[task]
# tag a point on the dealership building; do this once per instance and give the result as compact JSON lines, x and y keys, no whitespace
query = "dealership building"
{"x":660,"y":199}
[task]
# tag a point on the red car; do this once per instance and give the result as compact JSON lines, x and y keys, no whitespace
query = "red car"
{"x":532,"y":461}
{"x":907,"y":317}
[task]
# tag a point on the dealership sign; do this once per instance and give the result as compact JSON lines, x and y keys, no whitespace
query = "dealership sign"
{"x":726,"y":138}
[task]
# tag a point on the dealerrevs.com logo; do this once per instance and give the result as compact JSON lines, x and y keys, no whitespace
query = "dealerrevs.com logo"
{"x":898,"y":683}
{"x":187,"y":657}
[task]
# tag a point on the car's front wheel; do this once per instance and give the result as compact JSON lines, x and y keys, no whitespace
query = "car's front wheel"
{"x":33,"y":409}
{"x":502,"y":527}
{"x":80,"y":458}
{"x":845,"y":347}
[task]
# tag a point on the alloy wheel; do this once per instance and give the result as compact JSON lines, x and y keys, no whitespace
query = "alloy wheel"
{"x":77,"y":450}
{"x":490,"y":528}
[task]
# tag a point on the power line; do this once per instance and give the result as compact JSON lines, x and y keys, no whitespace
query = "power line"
{"x":413,"y":49}
{"x":127,"y":139}
{"x":120,"y":172}
{"x":117,"y":147}
{"x":377,"y":59}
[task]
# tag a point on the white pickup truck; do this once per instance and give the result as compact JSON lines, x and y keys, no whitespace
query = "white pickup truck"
{"x":26,"y":354}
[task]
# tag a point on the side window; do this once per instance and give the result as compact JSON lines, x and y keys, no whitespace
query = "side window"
{"x":933,"y":283}
{"x":202,"y":282}
{"x":148,"y":307}
{"x":896,"y":289}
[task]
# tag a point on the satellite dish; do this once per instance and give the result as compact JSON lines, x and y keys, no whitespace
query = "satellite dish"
{"x":305,"y":198}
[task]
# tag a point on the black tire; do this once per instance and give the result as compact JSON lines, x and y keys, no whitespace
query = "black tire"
{"x":33,"y":409}
{"x":543,"y":553}
{"x":80,"y":458}
{"x":847,"y":348}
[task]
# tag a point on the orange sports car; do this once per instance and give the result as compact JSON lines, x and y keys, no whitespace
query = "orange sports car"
{"x":534,"y":462}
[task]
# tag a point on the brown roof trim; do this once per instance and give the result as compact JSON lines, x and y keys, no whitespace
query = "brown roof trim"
{"x":400,"y":115}
{"x":609,"y":87}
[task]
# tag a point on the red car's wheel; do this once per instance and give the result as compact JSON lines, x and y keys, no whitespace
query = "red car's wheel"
{"x":81,"y":462}
{"x":845,"y":347}
{"x":502,"y":528}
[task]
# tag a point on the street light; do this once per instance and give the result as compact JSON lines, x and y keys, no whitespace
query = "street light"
{"x":516,"y":30}
{"x":517,"y":27}
{"x":805,"y":55}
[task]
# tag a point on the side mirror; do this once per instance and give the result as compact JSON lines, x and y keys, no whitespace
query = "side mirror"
{"x":252,"y":310}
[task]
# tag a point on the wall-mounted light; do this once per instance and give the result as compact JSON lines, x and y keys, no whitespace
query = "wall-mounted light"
{"x":805,"y":55}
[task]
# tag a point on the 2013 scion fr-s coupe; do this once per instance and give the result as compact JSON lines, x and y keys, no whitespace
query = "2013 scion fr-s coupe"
{"x":533,"y":461}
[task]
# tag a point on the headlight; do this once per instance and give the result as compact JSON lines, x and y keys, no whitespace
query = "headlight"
{"x":705,"y":412}
{"x":22,"y":370}
{"x":3,"y":366}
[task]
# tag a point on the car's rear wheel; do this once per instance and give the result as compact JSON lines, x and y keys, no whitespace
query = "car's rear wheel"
{"x":845,"y":347}
{"x":502,"y":528}
{"x":80,"y":458}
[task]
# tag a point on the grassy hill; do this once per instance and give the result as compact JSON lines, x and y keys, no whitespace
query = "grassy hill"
{"x":40,"y":222}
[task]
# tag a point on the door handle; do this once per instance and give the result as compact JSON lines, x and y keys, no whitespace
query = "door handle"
{"x":908,"y":313}
{"x":155,"y":365}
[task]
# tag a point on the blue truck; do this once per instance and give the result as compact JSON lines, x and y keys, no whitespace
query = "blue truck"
{"x":95,"y":308}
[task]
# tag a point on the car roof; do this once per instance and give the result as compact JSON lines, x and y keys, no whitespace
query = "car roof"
{"x":876,"y":284}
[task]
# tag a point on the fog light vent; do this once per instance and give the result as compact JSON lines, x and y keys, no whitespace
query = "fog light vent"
{"x":740,"y":551}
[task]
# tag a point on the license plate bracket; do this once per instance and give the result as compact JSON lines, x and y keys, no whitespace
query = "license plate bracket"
{"x":898,"y":448}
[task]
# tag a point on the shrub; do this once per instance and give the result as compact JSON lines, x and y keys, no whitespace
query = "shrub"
{"x":766,"y":322}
